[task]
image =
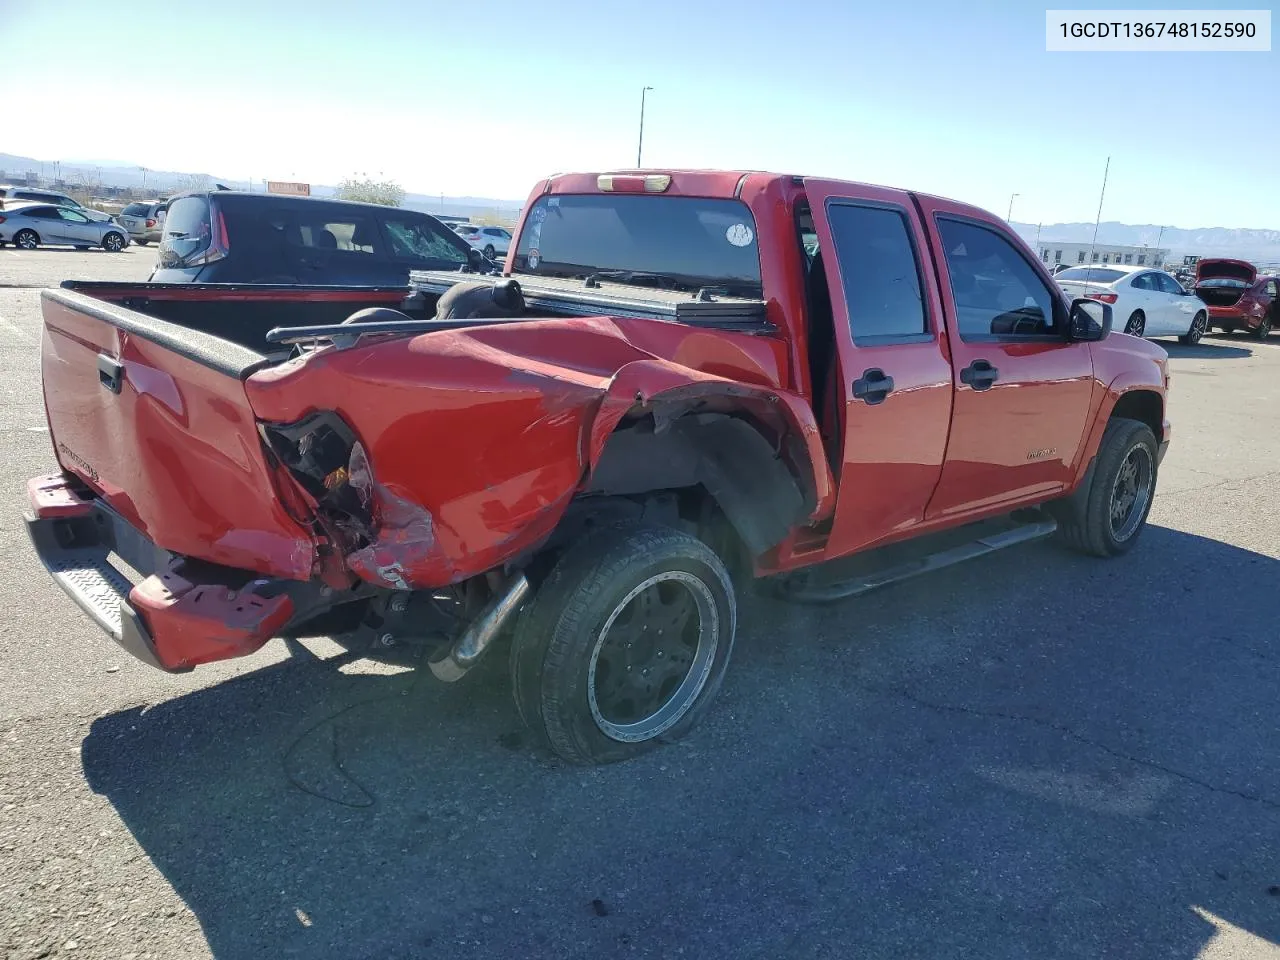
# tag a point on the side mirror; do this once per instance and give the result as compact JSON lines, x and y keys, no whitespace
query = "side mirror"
{"x":1090,"y":320}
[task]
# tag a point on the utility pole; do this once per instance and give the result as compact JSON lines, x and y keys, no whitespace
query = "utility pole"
{"x":1009,"y":216}
{"x":640,"y":145}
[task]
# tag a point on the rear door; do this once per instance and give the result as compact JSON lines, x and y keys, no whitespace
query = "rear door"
{"x":48,"y":224}
{"x":1023,"y":391}
{"x":890,"y":378}
{"x":336,"y":246}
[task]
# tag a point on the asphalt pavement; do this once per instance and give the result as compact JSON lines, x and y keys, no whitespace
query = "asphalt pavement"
{"x":1033,"y":755}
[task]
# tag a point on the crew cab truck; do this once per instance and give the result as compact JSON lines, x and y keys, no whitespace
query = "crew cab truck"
{"x":681,"y":381}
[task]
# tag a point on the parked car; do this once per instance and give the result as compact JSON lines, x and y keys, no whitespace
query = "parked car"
{"x":144,"y":220}
{"x":29,"y":225}
{"x":1150,"y":303}
{"x":491,"y":241}
{"x":1239,"y":298}
{"x":225,"y":236}
{"x":665,"y":396}
{"x":25,"y":194}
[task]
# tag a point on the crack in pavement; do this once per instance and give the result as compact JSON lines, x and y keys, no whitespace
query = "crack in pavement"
{"x":1080,"y":738}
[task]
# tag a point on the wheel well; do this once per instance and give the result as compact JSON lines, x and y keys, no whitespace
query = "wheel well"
{"x":1142,"y":405}
{"x":727,"y":458}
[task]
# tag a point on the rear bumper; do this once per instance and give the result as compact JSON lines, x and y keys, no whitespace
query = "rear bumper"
{"x":174,"y":614}
{"x":1231,"y":316}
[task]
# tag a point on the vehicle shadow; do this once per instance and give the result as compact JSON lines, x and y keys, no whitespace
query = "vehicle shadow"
{"x":1036,"y":754}
{"x":1205,"y":350}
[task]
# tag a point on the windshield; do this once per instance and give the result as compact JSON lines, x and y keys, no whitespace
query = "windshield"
{"x":1091,"y":275}
{"x":678,"y":243}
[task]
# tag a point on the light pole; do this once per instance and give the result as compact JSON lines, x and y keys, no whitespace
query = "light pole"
{"x":1009,"y":216}
{"x":640,"y":145}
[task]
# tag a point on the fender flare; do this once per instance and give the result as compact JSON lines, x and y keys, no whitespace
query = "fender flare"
{"x":1124,"y":384}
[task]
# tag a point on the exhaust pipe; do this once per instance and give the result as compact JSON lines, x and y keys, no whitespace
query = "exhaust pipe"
{"x":475,"y":640}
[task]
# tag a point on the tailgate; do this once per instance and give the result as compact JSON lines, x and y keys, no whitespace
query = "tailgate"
{"x":154,"y":418}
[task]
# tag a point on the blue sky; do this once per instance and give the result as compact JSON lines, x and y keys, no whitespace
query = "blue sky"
{"x":484,"y":98}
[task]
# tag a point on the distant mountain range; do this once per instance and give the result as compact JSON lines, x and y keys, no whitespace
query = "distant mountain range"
{"x":113,"y":173}
{"x":1247,"y":244}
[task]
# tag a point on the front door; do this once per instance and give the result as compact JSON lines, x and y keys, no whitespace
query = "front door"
{"x":77,"y":228}
{"x":889,"y":378}
{"x":1023,"y":391}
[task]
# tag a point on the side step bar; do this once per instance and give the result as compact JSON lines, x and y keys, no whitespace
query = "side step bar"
{"x":802,"y":592}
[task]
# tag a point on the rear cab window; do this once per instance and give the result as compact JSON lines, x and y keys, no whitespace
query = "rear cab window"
{"x":136,"y":210}
{"x":879,"y":272}
{"x":644,"y":240}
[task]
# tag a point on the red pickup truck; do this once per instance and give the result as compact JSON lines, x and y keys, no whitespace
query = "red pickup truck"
{"x":683,"y":380}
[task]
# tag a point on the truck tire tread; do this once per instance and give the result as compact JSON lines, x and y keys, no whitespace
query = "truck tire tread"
{"x":1085,"y":526}
{"x":555,"y":633}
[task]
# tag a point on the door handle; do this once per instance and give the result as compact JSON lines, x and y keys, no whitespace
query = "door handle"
{"x":873,"y":386}
{"x":980,"y":375}
{"x":110,"y":372}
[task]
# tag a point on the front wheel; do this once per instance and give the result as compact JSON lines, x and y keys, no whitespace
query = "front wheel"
{"x":1113,"y":511}
{"x":1137,"y":324}
{"x":625,"y":643}
{"x":1198,"y":327}
{"x":113,"y":243}
{"x":26,"y":240}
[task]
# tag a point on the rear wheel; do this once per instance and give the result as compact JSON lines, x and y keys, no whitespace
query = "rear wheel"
{"x":1137,"y":324}
{"x":1113,"y":511}
{"x":1263,"y":329}
{"x":489,"y":251}
{"x":1198,"y":327}
{"x":113,"y":242}
{"x":26,"y":240}
{"x":142,"y":243}
{"x":625,"y":643}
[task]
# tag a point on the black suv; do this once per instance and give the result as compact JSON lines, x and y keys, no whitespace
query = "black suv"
{"x":226,"y":236}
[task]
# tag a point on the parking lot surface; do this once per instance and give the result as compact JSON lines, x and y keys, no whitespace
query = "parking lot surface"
{"x":1033,"y":755}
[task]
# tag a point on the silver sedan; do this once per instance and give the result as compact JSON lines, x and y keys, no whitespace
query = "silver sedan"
{"x":29,"y":225}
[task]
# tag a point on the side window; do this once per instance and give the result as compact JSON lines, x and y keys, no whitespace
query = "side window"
{"x":1166,"y":283}
{"x":1142,"y":282}
{"x":41,"y":213}
{"x":348,"y":235}
{"x":416,"y":239}
{"x":1271,"y":289}
{"x":72,"y":216}
{"x":878,"y":272}
{"x":996,"y":290}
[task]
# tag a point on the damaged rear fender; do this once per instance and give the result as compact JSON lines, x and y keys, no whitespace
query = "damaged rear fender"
{"x":756,"y":451}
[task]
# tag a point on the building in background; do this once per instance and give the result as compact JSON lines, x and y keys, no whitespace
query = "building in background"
{"x":1053,"y":252}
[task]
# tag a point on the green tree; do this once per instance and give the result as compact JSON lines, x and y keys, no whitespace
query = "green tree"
{"x":367,"y":190}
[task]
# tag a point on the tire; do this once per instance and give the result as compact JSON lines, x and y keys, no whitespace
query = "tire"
{"x":1263,"y":329}
{"x":1088,"y":524}
{"x":489,"y":251}
{"x":1199,"y":325}
{"x":82,"y":248}
{"x":26,"y":240}
{"x":142,"y":243}
{"x":617,"y":582}
{"x":1137,"y":324}
{"x":113,"y":242}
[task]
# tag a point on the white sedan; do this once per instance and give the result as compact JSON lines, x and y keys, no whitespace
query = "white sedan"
{"x":1144,"y":302}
